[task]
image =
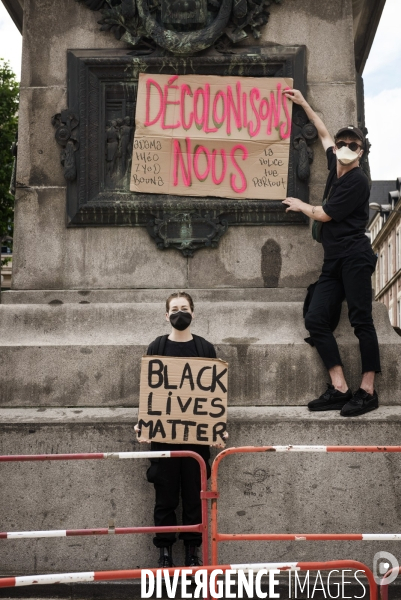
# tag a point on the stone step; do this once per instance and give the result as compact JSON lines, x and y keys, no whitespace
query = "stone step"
{"x":260,"y":493}
{"x":89,"y":355}
{"x":148,"y":295}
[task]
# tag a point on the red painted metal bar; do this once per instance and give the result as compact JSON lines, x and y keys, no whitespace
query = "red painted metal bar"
{"x":217,"y":537}
{"x":202,"y":527}
{"x":136,"y":573}
{"x":384,"y":586}
{"x":4,"y":535}
{"x":39,"y":457}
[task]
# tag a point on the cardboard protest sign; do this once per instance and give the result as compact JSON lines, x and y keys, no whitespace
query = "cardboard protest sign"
{"x":183,"y":400}
{"x":212,"y":136}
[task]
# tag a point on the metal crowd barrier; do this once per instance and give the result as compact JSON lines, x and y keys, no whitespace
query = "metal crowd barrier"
{"x":238,"y":537}
{"x":202,"y":528}
{"x":384,"y":584}
{"x":136,"y":573}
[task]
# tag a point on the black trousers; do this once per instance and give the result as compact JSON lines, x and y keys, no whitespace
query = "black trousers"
{"x":170,"y":476}
{"x":345,"y":278}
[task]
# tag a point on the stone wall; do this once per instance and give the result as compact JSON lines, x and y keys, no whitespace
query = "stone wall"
{"x":49,"y":256}
{"x":78,"y":319}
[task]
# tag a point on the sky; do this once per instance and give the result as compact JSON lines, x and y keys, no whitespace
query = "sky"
{"x":382,"y":77}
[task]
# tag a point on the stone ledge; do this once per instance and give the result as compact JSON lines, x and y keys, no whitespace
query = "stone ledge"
{"x":236,"y":415}
{"x":251,"y":323}
{"x":146,"y":295}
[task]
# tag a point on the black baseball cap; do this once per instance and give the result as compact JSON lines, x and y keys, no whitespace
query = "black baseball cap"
{"x":351,"y":129}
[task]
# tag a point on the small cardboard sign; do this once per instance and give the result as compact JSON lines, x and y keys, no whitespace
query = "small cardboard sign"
{"x":212,"y":136}
{"x":183,"y":400}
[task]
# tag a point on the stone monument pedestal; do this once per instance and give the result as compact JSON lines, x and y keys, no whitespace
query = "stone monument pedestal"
{"x":87,"y":300}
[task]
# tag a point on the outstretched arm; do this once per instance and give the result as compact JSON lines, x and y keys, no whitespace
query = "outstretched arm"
{"x":313,"y":212}
{"x":324,"y":136}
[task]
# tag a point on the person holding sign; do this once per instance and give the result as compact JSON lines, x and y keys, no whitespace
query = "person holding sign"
{"x":348,"y":265}
{"x":173,"y":477}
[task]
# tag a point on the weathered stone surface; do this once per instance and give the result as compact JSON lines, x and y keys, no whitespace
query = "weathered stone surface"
{"x":336,"y":105}
{"x":50,"y":29}
{"x":50,"y":256}
{"x":259,"y":492}
{"x":88,"y":355}
{"x":152,"y":295}
{"x":108,"y":257}
{"x":331,"y":92}
{"x":38,"y":153}
{"x":326,"y":29}
{"x":258,"y":257}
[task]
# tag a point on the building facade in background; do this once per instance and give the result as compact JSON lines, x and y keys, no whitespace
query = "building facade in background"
{"x":385,"y":232}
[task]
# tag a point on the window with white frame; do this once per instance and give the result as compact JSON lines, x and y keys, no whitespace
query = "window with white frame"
{"x":398,"y":250}
{"x":390,"y":261}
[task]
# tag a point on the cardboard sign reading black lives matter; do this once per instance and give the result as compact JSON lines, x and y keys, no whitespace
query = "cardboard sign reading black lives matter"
{"x":183,"y":400}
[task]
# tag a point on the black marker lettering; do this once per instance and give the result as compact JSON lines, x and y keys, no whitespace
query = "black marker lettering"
{"x":150,"y":411}
{"x":184,"y":406}
{"x":158,"y":428}
{"x":158,"y":372}
{"x":174,"y":423}
{"x":201,"y":434}
{"x":198,"y":380}
{"x":218,"y":430}
{"x":215,"y":404}
{"x":166,"y":383}
{"x":168,"y":404}
{"x":149,"y":424}
{"x":187,"y":374}
{"x":199,"y":405}
{"x":216,"y":380}
{"x":187,"y":425}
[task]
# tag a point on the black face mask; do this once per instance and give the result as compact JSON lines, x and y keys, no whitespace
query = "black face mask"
{"x":180,"y":320}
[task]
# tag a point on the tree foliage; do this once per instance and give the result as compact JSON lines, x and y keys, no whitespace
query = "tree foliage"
{"x":9,"y":90}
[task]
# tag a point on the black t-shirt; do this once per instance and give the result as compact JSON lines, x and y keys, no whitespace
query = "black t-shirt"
{"x":348,"y":207}
{"x":180,"y":348}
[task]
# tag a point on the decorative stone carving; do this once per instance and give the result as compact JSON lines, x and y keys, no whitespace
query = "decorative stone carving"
{"x":181,"y":26}
{"x":102,"y":88}
{"x":118,"y":151}
{"x":187,"y":231}
{"x":305,"y":134}
{"x":66,"y":123}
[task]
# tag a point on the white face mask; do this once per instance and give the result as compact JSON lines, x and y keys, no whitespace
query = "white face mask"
{"x":346,"y":156}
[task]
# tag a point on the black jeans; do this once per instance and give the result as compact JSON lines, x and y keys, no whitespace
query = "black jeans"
{"x":170,"y":476}
{"x":345,"y":278}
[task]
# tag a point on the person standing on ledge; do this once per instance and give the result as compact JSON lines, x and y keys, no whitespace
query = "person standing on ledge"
{"x":347,"y":269}
{"x":173,"y":477}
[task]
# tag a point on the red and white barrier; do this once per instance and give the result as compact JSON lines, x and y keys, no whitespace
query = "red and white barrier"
{"x":91,"y":456}
{"x":201,"y":528}
{"x":90,"y":576}
{"x":217,"y":537}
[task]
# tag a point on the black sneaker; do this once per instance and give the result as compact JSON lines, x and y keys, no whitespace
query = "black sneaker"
{"x":332,"y":399}
{"x":361,"y":403}
{"x":166,"y":557}
{"x":191,"y":557}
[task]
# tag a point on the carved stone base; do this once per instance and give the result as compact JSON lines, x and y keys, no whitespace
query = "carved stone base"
{"x":187,"y":231}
